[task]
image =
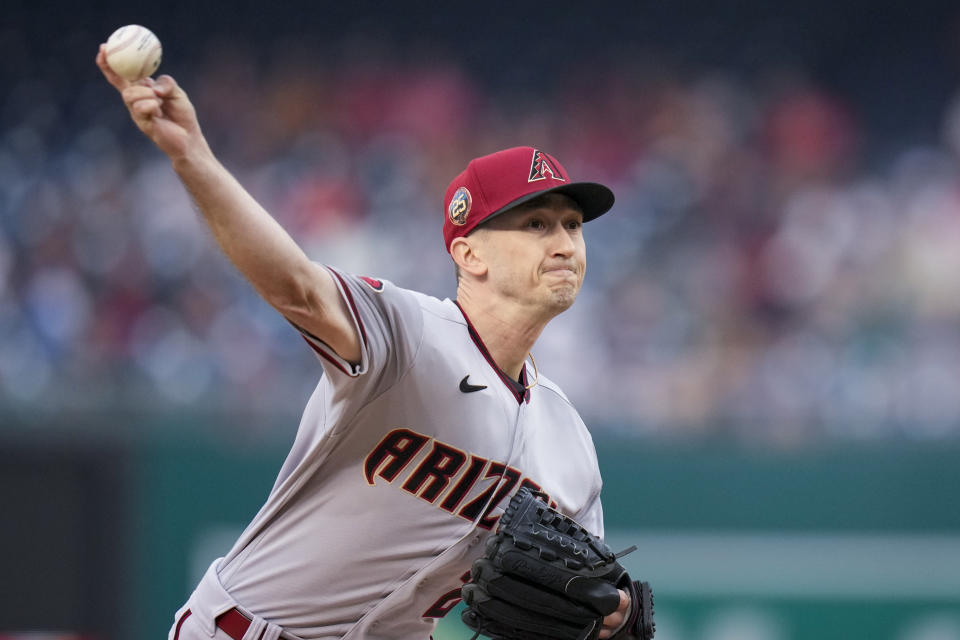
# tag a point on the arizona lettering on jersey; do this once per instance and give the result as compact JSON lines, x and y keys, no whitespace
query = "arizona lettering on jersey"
{"x":419,"y":446}
{"x":438,"y":468}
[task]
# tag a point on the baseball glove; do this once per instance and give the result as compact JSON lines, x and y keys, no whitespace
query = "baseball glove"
{"x":545,"y":577}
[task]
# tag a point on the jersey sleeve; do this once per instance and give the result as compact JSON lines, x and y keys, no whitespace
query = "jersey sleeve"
{"x":389,"y":323}
{"x":591,"y":517}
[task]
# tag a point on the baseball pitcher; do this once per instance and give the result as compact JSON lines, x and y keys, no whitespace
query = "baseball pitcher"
{"x":429,"y":420}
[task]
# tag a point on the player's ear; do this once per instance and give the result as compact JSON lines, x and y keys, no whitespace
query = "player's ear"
{"x":464,"y":252}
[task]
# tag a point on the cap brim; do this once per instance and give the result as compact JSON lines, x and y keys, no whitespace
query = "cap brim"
{"x":593,"y":198}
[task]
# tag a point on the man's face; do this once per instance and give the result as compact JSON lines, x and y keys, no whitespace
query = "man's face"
{"x":535,"y":253}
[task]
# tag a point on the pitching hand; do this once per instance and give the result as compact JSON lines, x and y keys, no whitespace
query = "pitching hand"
{"x":160,"y":108}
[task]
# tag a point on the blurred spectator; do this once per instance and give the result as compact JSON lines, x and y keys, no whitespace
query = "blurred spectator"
{"x":755,"y":279}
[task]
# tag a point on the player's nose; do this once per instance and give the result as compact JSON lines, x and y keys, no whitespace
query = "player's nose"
{"x":561,"y":241}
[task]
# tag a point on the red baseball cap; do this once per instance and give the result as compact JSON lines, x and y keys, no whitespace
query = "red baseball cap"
{"x":495,"y":183}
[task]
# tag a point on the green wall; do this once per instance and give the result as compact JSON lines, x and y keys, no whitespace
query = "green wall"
{"x":699,"y":513}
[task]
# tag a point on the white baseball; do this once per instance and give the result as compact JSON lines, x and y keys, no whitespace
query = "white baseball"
{"x":133,"y":52}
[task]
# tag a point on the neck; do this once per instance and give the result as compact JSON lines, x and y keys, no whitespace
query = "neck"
{"x":508,"y":331}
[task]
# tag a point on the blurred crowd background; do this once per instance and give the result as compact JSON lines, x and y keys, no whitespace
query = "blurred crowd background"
{"x":783,"y":261}
{"x":766,"y":348}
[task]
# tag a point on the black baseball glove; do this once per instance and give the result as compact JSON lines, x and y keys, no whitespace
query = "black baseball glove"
{"x":545,"y":577}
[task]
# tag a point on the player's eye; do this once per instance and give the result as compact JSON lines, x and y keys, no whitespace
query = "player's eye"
{"x":573,"y":225}
{"x":536,"y":223}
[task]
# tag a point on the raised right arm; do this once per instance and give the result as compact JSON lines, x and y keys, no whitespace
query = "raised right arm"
{"x":304,"y":292}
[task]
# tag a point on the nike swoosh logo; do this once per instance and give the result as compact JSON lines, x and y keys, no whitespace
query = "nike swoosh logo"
{"x":466,"y":387}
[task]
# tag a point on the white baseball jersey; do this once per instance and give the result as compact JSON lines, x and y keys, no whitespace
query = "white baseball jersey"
{"x":400,"y":470}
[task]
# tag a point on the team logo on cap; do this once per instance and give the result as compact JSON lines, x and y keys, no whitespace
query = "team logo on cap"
{"x":541,"y":166}
{"x":459,"y":207}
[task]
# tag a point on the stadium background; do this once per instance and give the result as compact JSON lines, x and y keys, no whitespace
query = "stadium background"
{"x":767,"y":347}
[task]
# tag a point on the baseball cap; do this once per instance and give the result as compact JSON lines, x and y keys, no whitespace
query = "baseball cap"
{"x":494,"y":183}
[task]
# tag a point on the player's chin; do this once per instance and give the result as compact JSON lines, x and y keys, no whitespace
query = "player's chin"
{"x":562,"y":297}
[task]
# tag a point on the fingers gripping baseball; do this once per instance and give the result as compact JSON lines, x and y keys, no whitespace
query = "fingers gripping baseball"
{"x":142,"y":101}
{"x":159,"y":108}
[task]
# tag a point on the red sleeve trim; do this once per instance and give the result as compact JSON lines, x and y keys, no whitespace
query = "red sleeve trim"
{"x":183,"y":618}
{"x":318,"y":345}
{"x":325,"y":355}
{"x":353,"y":306}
